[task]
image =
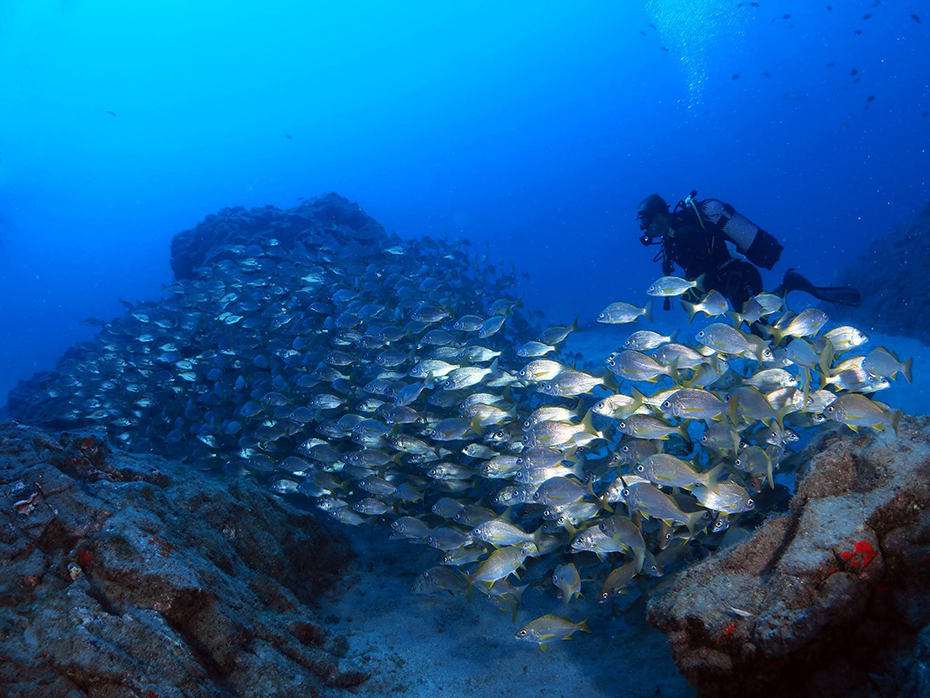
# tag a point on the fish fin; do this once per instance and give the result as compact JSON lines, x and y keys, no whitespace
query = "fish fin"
{"x":638,"y":400}
{"x":514,"y":607}
{"x":683,"y":431}
{"x":854,"y":428}
{"x":647,"y":310}
{"x":543,"y":646}
{"x":515,"y":573}
{"x":699,"y":283}
{"x":606,"y":505}
{"x":583,"y":626}
{"x":896,"y":418}
{"x":574,"y":327}
{"x":906,"y":370}
{"x":469,"y":583}
{"x":568,"y":527}
{"x":476,"y":425}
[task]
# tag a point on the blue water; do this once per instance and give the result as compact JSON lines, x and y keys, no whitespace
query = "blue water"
{"x":533,"y":128}
{"x":536,"y":127}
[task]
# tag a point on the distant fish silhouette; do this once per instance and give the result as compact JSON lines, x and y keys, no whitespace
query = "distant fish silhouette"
{"x":300,"y":198}
{"x":831,"y":64}
{"x":853,"y":71}
{"x":665,"y":48}
{"x":916,"y":18}
{"x":925,"y":114}
{"x":795,"y":96}
{"x":288,"y":136}
{"x":766,"y":75}
{"x":657,"y":29}
{"x":735,"y":76}
{"x":867,"y":16}
{"x":858,"y":32}
{"x":642,"y":32}
{"x":111,"y":113}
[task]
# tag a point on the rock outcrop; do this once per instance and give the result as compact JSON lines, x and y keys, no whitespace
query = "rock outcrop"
{"x":129,"y":575}
{"x":892,"y":276}
{"x":823,"y":599}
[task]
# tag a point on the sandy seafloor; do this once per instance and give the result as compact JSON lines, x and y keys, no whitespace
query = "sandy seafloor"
{"x":442,"y":645}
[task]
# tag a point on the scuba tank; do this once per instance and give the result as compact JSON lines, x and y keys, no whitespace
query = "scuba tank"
{"x":755,"y":244}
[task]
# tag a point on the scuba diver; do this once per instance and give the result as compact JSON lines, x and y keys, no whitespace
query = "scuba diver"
{"x":712,"y":239}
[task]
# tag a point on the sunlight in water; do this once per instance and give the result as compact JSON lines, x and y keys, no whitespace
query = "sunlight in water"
{"x":695,"y":31}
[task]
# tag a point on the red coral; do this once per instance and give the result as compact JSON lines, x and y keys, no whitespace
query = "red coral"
{"x":84,"y":558}
{"x":861,"y":555}
{"x":727,"y":632}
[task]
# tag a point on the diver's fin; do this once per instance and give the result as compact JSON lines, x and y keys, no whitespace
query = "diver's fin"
{"x":840,"y":295}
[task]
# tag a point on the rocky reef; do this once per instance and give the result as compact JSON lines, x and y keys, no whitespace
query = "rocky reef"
{"x":131,"y":575}
{"x":896,"y":294}
{"x":827,"y":599}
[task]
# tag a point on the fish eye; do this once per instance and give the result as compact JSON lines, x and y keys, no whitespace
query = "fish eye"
{"x":622,"y":425}
{"x":625,"y":449}
{"x":625,"y":492}
{"x":750,"y":503}
{"x":522,"y":372}
{"x":526,"y":424}
{"x":561,"y":520}
{"x":555,"y":579}
{"x":601,"y":315}
{"x":611,"y":363}
{"x":829,"y":408}
{"x":499,"y":435}
{"x":476,"y":532}
{"x":738,"y":462}
{"x":666,"y":404}
{"x":704,"y":439}
{"x":654,"y":569}
{"x":701,"y":333}
{"x":522,"y":633}
{"x":536,"y":495}
{"x":605,"y":596}
{"x":640,"y":468}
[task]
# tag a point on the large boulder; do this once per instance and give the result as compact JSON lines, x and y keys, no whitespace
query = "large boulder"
{"x":892,"y":276}
{"x":129,"y":575}
{"x":823,"y":599}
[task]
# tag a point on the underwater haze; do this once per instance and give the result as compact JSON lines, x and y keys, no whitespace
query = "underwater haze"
{"x":534,"y":127}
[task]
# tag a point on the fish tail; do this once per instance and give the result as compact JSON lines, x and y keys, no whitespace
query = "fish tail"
{"x":588,"y":424}
{"x":674,"y":335}
{"x":610,"y":381}
{"x":673,"y":371}
{"x":647,"y":310}
{"x":735,"y":318}
{"x":691,"y":308}
{"x":896,"y":419}
{"x":575,"y":327}
{"x":826,"y":358}
{"x":906,"y":369}
{"x":777,"y":335}
{"x":712,"y":477}
{"x":639,"y":557}
{"x":583,"y":626}
{"x":692,"y":520}
{"x":699,"y":283}
{"x":476,"y":425}
{"x":638,"y":400}
{"x":683,"y":431}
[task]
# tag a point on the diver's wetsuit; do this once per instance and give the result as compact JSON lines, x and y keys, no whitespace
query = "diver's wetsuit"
{"x":698,"y":251}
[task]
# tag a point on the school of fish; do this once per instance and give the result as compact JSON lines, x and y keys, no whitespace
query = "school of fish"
{"x":399,"y":382}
